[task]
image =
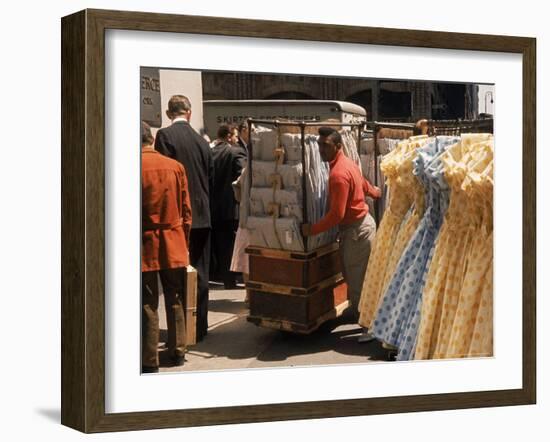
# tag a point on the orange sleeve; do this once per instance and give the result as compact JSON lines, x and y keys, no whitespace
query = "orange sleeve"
{"x":370,"y":190}
{"x":338,"y":190}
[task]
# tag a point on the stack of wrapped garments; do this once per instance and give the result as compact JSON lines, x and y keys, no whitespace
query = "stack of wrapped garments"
{"x":275,"y":204}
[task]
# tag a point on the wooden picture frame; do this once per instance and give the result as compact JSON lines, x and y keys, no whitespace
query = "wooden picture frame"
{"x":83,"y":220}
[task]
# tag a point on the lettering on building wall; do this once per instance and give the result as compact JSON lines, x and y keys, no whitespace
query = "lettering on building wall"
{"x":150,"y":83}
{"x":150,"y":96}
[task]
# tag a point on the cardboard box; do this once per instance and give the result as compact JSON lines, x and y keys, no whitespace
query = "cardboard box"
{"x":191,"y":307}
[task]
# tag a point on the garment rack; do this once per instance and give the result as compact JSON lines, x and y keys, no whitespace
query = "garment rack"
{"x":302,"y":125}
{"x":457,"y":127}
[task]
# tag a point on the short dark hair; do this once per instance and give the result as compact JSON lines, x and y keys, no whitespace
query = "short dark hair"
{"x":224,"y":130}
{"x":331,"y":133}
{"x":419,"y":126}
{"x":146,"y":135}
{"x":179,"y":104}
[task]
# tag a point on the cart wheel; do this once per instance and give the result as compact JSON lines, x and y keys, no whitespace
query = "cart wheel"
{"x":391,"y":356}
{"x":326,"y":327}
{"x":286,"y":334}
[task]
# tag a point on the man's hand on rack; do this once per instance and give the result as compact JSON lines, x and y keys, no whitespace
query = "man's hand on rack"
{"x":370,"y":189}
{"x":306,"y":229}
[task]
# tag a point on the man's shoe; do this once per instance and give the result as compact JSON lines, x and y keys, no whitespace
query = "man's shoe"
{"x":365,"y":336}
{"x":145,"y":369}
{"x":178,"y":361}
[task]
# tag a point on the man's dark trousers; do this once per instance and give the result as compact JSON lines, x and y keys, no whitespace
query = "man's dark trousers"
{"x":199,"y":254}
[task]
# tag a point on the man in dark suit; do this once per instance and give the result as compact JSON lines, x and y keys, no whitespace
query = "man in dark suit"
{"x":181,"y":142}
{"x":229,"y":160}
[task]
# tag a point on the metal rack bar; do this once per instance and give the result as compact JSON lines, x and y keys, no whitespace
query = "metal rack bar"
{"x":460,"y":126}
{"x":377,"y":214}
{"x":249,"y":161}
{"x":392,"y":125}
{"x":305,"y":123}
{"x":305,"y":216}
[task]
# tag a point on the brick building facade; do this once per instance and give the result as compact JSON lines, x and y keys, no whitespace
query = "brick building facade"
{"x":383,"y":99}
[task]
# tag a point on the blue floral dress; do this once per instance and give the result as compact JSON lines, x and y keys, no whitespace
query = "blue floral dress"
{"x":398,"y":316}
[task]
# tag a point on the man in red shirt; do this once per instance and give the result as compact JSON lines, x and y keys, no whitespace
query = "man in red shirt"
{"x":347,"y":209}
{"x":166,"y":225}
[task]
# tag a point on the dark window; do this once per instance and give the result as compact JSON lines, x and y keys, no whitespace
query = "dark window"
{"x":394,"y":105}
{"x":448,"y":101}
{"x":363,"y":99}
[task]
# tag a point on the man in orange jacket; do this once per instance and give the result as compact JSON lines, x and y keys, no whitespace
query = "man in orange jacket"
{"x":166,"y":224}
{"x":347,"y":210}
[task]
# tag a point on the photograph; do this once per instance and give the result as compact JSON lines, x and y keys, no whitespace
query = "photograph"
{"x":311,"y":230}
{"x":292,"y":220}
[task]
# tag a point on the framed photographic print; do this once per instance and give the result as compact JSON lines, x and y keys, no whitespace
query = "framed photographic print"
{"x":443,"y":317}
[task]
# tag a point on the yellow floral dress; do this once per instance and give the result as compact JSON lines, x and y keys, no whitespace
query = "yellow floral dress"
{"x":472,"y":330}
{"x":415,"y":191}
{"x":396,"y":167}
{"x":446,"y":273}
{"x":397,"y":207}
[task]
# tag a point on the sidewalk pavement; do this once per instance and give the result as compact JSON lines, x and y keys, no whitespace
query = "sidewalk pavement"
{"x":234,"y":343}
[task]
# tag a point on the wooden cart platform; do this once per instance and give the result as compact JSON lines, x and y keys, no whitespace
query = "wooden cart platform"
{"x":295,"y":327}
{"x":295,"y":291}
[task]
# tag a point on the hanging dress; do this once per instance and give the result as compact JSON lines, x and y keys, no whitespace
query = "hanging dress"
{"x":446,"y":272}
{"x":411,"y":190}
{"x":481,"y":344}
{"x":398,"y":205}
{"x":398,"y":316}
{"x":472,"y":332}
{"x":415,"y":191}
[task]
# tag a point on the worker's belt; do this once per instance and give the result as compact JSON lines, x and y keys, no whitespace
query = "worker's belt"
{"x":163,"y":226}
{"x":353,"y":225}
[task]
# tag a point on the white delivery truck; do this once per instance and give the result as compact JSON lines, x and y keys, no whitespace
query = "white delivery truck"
{"x":218,"y":112}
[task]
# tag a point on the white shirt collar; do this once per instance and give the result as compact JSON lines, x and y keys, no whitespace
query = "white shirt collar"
{"x":175,"y":120}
